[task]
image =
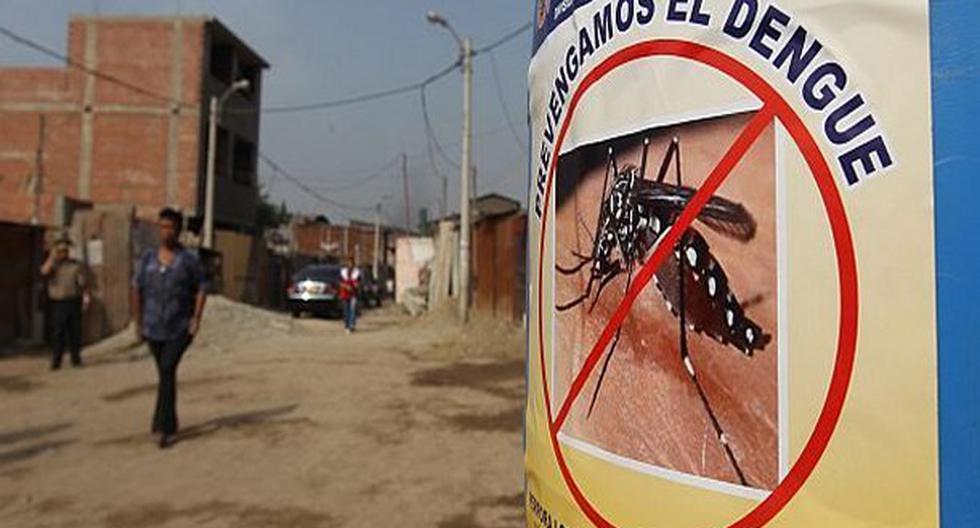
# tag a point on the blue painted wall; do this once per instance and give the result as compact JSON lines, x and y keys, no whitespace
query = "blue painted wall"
{"x":956,"y":122}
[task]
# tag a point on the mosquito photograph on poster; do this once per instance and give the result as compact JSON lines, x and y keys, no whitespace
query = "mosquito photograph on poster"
{"x":688,"y":387}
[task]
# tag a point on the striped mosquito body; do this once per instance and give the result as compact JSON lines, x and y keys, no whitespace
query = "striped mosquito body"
{"x":635,"y":213}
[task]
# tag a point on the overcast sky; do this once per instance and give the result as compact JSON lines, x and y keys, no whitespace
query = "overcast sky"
{"x":321,"y":50}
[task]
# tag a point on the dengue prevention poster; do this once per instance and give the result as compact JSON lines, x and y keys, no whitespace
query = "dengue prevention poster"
{"x":731,"y":304}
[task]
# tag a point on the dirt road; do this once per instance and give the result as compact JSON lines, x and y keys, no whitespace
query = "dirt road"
{"x":285,"y":424}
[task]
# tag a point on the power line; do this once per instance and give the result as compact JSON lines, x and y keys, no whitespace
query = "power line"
{"x":356,"y":99}
{"x":348,"y":176}
{"x":24,"y":41}
{"x":431,"y":138}
{"x":415,"y":155}
{"x":360,"y":182}
{"x":346,"y":101}
{"x":431,"y":134}
{"x":277,"y":169}
{"x":504,"y":39}
{"x":267,"y":188}
{"x":503,"y":103}
{"x":382,"y":94}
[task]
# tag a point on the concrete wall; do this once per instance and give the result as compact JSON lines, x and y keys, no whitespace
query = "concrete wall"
{"x":412,"y":254}
{"x":244,"y":263}
{"x":104,"y":240}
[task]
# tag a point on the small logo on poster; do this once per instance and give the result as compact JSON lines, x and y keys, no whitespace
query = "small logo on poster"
{"x":542,"y":12}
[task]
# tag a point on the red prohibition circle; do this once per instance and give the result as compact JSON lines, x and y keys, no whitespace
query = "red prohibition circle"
{"x":843,"y":245}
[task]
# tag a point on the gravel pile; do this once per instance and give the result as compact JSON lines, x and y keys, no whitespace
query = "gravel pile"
{"x":226,"y":325}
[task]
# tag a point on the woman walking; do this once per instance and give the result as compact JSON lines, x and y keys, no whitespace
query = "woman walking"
{"x":168,"y":302}
{"x":350,"y":278}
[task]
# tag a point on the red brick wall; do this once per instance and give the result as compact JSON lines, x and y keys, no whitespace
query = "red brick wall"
{"x":360,"y":241}
{"x":130,"y":151}
{"x":50,"y":85}
{"x":130,"y":131}
{"x":19,"y":146}
{"x":139,"y":52}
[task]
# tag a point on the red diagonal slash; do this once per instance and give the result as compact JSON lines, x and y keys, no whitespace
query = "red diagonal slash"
{"x":739,"y":148}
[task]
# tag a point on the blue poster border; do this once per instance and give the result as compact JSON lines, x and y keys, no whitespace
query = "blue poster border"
{"x":956,"y":132}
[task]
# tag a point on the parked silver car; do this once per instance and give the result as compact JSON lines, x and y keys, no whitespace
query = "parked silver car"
{"x":314,"y":289}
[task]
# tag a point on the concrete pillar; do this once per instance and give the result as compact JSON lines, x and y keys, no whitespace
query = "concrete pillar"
{"x":173,"y":122}
{"x":88,"y":107}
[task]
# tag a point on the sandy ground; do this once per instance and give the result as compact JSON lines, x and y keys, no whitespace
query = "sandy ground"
{"x":409,"y":422}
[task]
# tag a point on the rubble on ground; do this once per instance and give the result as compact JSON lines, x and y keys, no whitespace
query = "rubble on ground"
{"x":483,"y":337}
{"x":226,"y":324}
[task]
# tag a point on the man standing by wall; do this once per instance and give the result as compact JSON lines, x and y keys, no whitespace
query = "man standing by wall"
{"x":68,"y":295}
{"x":168,"y":301}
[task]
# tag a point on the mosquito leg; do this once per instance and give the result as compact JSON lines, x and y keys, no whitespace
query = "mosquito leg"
{"x":572,"y":304}
{"x":582,"y":224}
{"x":574,"y":269}
{"x":612,"y":348}
{"x":643,"y":160}
{"x":677,"y":158}
{"x":578,"y":300}
{"x":605,"y":281}
{"x":689,"y":367}
{"x":611,"y":167}
{"x":584,"y":259}
{"x":668,"y":156}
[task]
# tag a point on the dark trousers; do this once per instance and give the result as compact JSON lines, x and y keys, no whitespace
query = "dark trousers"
{"x":167,"y":355}
{"x":66,"y":316}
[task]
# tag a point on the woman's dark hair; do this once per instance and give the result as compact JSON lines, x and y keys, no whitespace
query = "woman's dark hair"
{"x":169,"y":213}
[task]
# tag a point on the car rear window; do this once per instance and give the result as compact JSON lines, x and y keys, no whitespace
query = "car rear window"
{"x":318,"y":273}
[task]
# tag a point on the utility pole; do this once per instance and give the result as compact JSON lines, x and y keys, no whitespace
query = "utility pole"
{"x":208,"y":241}
{"x":377,"y":238}
{"x":443,"y":210}
{"x":346,"y":242}
{"x":475,"y":190}
{"x":216,"y":104}
{"x":408,"y":205}
{"x":36,"y":185}
{"x":464,"y":199}
{"x":466,"y":60}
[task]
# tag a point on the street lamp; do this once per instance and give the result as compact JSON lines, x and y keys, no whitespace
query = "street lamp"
{"x":216,"y":104}
{"x":466,"y":59}
{"x":435,"y":18}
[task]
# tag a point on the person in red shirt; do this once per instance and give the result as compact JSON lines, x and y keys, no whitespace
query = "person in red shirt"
{"x":350,"y":278}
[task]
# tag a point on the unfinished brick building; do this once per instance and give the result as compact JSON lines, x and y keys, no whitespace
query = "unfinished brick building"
{"x":69,"y":137}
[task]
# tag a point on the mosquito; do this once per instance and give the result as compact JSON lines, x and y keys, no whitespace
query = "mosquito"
{"x":634,"y":215}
